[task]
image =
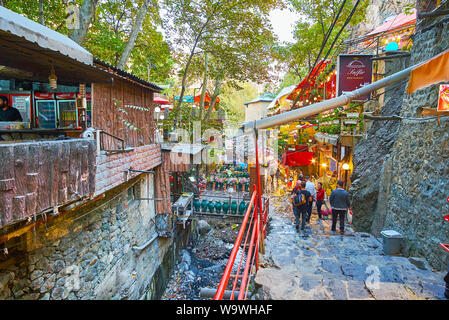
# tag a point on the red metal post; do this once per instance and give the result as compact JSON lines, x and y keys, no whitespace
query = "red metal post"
{"x":248,"y":256}
{"x":225,"y":278}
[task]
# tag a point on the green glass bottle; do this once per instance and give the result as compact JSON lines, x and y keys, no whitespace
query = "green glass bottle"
{"x":218,"y":207}
{"x":211,"y":206}
{"x":234,"y":207}
{"x":242,"y":208}
{"x":197,"y":204}
{"x":204,"y":204}
{"x":225,"y":207}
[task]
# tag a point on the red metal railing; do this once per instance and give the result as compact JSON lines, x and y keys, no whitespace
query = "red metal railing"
{"x":255,"y":233}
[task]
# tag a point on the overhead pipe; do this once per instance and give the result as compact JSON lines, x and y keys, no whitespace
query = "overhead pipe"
{"x":319,"y":107}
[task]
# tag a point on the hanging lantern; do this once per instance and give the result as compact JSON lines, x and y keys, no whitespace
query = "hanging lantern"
{"x":53,"y":79}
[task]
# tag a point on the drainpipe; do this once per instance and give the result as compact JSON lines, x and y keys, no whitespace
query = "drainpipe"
{"x":319,"y":107}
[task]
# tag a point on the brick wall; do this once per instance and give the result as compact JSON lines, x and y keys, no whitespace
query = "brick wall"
{"x":111,"y":169}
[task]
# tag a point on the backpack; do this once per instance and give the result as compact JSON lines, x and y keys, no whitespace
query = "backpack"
{"x":299,"y":200}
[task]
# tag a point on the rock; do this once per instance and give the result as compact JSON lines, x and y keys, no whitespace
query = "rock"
{"x":331,"y":266}
{"x":309,"y":282}
{"x":45,"y":296}
{"x":389,"y":291}
{"x":5,"y":278}
{"x":203,"y":227}
{"x":48,"y":284}
{"x":355,"y":271}
{"x":357,"y":290}
{"x":419,"y":263}
{"x":364,"y":234}
{"x":336,"y":288}
{"x":37,"y":284}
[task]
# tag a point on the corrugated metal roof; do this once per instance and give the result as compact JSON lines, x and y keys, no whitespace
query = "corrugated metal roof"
{"x":128,"y":75}
{"x":46,"y":38}
{"x":186,"y":148}
{"x":266,"y":97}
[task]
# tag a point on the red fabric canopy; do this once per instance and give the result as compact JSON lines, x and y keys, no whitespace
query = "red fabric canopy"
{"x":160,"y":100}
{"x":296,"y":158}
{"x":396,"y":22}
{"x":310,"y":78}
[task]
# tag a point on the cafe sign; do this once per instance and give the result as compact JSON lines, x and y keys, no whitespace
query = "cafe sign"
{"x":353,"y":72}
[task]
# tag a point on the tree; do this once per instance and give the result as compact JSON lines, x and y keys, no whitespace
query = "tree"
{"x":311,"y":30}
{"x":110,"y":36}
{"x":86,"y":13}
{"x":106,"y":34}
{"x":134,"y":33}
{"x":227,"y":29}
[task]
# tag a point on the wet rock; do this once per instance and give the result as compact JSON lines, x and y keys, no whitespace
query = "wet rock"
{"x":336,"y":288}
{"x":332,"y":266}
{"x":357,"y":290}
{"x":309,"y":282}
{"x":355,"y":271}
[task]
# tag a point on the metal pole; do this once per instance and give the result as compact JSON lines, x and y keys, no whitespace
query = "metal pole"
{"x":259,"y":197}
{"x":319,"y":107}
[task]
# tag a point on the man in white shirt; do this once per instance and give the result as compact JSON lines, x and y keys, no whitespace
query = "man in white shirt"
{"x":311,"y":188}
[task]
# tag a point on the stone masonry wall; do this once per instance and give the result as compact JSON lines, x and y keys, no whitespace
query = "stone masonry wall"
{"x":419,"y":161}
{"x":370,"y":153}
{"x":87,"y":253}
{"x":415,"y":174}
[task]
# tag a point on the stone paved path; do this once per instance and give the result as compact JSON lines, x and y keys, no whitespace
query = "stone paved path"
{"x":317,"y":264}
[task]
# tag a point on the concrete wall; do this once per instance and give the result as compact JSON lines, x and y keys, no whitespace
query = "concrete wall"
{"x":86,"y":252}
{"x":256,"y":111}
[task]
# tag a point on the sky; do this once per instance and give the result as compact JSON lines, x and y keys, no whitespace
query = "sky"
{"x":283,"y":22}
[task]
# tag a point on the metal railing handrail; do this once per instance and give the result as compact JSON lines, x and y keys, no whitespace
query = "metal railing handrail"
{"x":257,"y":230}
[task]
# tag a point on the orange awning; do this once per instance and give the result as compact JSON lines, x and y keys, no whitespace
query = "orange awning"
{"x":207,"y":99}
{"x":431,"y":72}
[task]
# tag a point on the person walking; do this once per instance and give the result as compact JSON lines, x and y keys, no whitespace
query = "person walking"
{"x":303,"y":197}
{"x":293,"y":194}
{"x":340,"y":203}
{"x":311,"y":188}
{"x":319,"y":199}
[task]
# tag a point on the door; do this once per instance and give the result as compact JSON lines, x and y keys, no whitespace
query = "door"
{"x":46,"y":114}
{"x":67,"y":114}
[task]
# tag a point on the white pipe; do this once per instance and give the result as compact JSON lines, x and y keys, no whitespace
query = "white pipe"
{"x":319,"y":107}
{"x":146,"y":244}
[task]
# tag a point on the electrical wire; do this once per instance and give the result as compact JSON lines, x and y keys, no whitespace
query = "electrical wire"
{"x":326,"y":37}
{"x":348,"y":19}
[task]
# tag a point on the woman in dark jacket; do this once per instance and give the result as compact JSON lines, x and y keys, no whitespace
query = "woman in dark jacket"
{"x":319,"y":198}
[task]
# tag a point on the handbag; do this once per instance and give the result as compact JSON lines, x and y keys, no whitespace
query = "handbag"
{"x":349,"y":216}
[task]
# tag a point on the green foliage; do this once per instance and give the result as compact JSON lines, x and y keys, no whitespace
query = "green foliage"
{"x":109,"y":32}
{"x":310,"y":32}
{"x":233,"y":32}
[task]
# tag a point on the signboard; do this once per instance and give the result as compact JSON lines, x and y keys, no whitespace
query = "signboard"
{"x":66,"y":95}
{"x":443,"y":100}
{"x":44,"y":96}
{"x":353,"y":72}
{"x":22,"y":103}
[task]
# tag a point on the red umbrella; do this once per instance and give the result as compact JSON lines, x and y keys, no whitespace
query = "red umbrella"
{"x":160,"y":100}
